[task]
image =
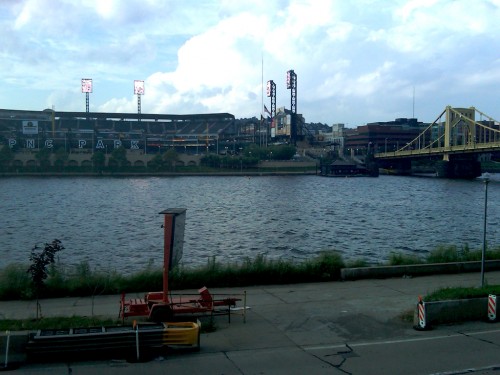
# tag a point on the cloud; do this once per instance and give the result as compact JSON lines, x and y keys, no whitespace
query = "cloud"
{"x":354,"y":60}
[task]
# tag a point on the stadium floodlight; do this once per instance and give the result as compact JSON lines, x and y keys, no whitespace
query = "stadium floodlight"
{"x":138,"y":87}
{"x":86,"y":85}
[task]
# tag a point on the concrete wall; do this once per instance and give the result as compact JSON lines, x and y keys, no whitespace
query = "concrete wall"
{"x":384,"y":272}
{"x":79,"y":158}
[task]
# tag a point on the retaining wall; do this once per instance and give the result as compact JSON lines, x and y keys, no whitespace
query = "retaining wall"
{"x":385,"y":272}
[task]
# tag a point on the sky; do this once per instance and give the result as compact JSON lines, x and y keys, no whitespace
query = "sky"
{"x":357,"y":61}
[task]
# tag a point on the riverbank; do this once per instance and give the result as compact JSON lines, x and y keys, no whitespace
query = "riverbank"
{"x":252,"y":173}
{"x":82,"y":280}
{"x":299,"y":328}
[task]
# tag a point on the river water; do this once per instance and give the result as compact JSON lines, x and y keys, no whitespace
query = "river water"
{"x":113,"y":223}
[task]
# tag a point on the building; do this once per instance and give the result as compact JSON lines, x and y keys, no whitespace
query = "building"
{"x":97,"y":131}
{"x":282,"y":125}
{"x":382,"y":136}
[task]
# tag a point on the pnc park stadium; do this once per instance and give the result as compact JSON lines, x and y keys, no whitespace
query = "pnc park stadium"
{"x":83,"y":133}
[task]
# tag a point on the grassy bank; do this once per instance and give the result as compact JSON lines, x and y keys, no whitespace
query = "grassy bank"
{"x":444,"y":294}
{"x":55,"y":323}
{"x":15,"y":282}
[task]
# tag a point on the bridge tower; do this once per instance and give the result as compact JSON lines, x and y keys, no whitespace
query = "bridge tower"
{"x":452,"y":132}
{"x":459,"y":128}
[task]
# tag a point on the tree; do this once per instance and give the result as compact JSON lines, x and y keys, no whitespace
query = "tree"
{"x":211,"y":161}
{"x":119,"y":156}
{"x":283,"y":152}
{"x":170,"y":158}
{"x":38,"y":269}
{"x":61,"y":157}
{"x":6,"y":157}
{"x":98,"y":160}
{"x":95,"y":283}
{"x":43,"y":157}
{"x":156,"y":164}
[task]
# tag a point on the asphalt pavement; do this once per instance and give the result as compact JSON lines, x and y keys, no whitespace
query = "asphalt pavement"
{"x":352,"y":327}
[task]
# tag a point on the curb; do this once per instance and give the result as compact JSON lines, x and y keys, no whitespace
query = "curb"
{"x":385,"y":272}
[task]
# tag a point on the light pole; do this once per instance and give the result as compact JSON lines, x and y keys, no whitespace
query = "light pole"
{"x":486,"y":179}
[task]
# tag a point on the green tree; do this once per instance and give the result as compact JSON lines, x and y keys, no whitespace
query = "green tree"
{"x":156,"y":164}
{"x":210,"y":160}
{"x":61,"y":158}
{"x":6,"y":157}
{"x":38,"y":269}
{"x":119,"y":156}
{"x":282,"y":152}
{"x":43,"y":157}
{"x":98,"y":160}
{"x":170,"y":158}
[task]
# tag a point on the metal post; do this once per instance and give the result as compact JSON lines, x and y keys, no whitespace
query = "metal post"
{"x":7,"y":349}
{"x":483,"y":253}
{"x":167,"y":241}
{"x":137,"y":341}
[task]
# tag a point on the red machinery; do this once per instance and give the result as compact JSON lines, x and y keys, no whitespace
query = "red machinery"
{"x":159,"y":306}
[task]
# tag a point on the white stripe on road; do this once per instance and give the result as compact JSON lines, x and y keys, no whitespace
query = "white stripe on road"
{"x":388,"y":342}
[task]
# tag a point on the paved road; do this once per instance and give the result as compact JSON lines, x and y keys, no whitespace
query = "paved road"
{"x":321,"y":328}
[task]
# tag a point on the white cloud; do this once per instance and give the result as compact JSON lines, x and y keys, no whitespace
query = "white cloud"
{"x":207,"y":55}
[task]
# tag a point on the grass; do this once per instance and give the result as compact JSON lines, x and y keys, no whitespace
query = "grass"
{"x":55,"y":323}
{"x":444,"y":254}
{"x":209,"y":325}
{"x":444,"y":294}
{"x":81,"y":280}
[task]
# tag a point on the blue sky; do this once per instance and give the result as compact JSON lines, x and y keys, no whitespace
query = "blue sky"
{"x":356,"y":61}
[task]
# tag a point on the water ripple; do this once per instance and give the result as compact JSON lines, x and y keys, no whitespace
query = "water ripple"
{"x":113,"y":223}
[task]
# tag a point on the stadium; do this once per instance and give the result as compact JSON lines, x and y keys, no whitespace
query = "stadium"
{"x":83,"y":133}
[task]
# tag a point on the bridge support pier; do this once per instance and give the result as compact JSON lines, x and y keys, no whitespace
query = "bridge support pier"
{"x":458,"y":168}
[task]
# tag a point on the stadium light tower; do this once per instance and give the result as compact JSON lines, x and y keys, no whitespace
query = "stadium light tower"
{"x":271,"y":92}
{"x":139,"y":91}
{"x":87,"y":89}
{"x":291,"y":84}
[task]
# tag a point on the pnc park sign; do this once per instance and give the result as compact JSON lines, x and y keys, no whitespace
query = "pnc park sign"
{"x":31,"y":143}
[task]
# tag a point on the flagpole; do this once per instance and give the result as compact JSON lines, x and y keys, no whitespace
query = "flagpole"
{"x":262,"y":93}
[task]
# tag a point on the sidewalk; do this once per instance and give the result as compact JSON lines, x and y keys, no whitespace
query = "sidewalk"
{"x":305,"y":316}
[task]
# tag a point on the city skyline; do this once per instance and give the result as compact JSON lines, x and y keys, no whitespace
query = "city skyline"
{"x":356,"y":61}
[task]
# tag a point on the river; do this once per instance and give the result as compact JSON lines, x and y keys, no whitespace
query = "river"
{"x":113,"y":223}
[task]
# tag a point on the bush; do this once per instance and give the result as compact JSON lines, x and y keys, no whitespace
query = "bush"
{"x":398,"y":259}
{"x":15,"y":282}
{"x":357,"y":263}
{"x":444,"y":254}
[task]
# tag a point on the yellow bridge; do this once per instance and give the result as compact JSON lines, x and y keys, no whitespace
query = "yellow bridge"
{"x":459,"y":136}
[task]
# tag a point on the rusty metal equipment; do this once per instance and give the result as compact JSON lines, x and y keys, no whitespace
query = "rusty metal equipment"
{"x":164,"y":306}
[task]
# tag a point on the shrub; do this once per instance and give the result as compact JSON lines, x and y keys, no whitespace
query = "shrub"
{"x":357,"y":263}
{"x":15,"y":282}
{"x":398,"y":259}
{"x":444,"y":254}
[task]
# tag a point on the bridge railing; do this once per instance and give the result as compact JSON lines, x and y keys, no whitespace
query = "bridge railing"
{"x":458,"y":133}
